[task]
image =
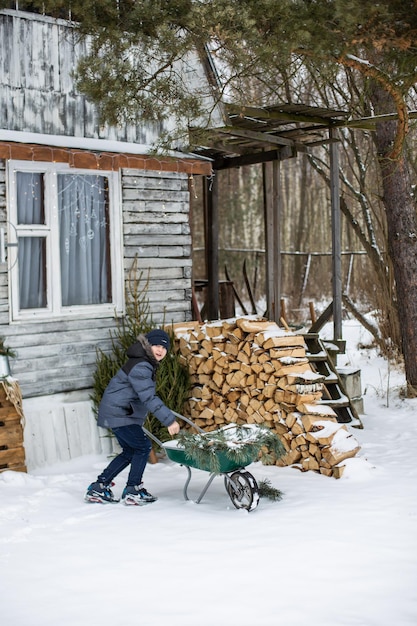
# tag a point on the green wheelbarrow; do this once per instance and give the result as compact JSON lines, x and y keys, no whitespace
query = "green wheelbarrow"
{"x":240,"y":485}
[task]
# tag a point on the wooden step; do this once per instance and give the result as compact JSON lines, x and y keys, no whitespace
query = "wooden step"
{"x":335,"y":394}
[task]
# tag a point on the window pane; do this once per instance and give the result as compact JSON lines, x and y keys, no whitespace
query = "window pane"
{"x":32,"y":272}
{"x":30,"y":204}
{"x":83,"y":203}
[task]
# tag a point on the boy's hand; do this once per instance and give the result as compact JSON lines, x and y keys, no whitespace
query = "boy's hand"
{"x":174,"y":428}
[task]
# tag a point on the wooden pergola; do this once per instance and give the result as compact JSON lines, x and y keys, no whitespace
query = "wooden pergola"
{"x":269,"y":135}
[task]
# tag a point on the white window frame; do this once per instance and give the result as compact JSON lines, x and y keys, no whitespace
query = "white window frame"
{"x":50,"y":231}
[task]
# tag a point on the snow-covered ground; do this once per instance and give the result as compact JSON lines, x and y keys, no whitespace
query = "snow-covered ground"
{"x":330,"y":553}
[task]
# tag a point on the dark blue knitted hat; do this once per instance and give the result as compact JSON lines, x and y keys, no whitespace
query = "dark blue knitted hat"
{"x":158,"y":337}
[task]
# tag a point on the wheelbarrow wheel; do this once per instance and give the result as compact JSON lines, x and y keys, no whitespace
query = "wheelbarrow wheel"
{"x":242,"y":489}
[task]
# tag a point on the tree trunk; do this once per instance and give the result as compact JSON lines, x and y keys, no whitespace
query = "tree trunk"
{"x":402,"y":233}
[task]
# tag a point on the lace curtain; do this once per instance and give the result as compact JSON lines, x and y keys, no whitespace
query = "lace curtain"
{"x":83,"y":232}
{"x":31,"y":250}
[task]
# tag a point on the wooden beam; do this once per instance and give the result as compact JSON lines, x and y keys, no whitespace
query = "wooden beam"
{"x":259,"y":112}
{"x":253,"y":135}
{"x":322,"y":319}
{"x":369,"y":123}
{"x":286,"y":152}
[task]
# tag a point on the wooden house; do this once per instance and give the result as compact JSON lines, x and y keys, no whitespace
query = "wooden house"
{"x":78,"y":203}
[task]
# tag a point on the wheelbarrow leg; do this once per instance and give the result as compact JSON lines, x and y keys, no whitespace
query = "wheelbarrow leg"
{"x":187,"y":482}
{"x":202,"y":494}
{"x":204,"y":491}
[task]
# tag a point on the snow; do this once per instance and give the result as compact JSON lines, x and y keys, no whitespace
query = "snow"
{"x":292,"y":360}
{"x":343,"y":442}
{"x":327,"y":428}
{"x":275,"y":331}
{"x":330,"y":553}
{"x":86,"y":143}
{"x":358,"y":60}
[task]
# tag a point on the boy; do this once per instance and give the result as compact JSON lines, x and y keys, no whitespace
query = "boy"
{"x":127,"y":399}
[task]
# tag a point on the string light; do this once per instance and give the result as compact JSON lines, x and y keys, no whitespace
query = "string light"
{"x":102,"y":160}
{"x":192,"y":184}
{"x":211,"y":181}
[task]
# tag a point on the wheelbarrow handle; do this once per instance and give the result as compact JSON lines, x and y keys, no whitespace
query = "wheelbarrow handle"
{"x":187,"y":419}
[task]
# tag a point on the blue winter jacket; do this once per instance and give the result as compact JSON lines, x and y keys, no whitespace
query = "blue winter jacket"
{"x":131,"y":393}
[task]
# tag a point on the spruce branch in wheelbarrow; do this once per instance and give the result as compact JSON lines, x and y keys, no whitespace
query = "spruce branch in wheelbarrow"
{"x":241,"y":444}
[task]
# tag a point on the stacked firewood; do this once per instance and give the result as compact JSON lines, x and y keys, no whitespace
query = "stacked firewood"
{"x":251,"y":371}
{"x":12,"y":452}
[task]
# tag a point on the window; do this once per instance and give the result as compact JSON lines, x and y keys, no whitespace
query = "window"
{"x":69,"y":258}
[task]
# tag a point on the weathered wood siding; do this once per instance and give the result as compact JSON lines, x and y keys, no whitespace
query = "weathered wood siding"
{"x":157,"y":230}
{"x":59,"y":355}
{"x":62,"y":427}
{"x":37,"y":57}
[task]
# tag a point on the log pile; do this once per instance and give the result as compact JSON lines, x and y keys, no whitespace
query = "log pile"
{"x":250,"y":371}
{"x":12,"y":452}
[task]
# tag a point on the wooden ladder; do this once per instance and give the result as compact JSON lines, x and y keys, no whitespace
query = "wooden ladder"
{"x":334,"y":394}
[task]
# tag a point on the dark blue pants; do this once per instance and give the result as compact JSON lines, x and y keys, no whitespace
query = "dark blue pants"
{"x":135,"y":452}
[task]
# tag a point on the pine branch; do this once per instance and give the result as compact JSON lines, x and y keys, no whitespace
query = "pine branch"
{"x":268,"y":491}
{"x":240,"y":444}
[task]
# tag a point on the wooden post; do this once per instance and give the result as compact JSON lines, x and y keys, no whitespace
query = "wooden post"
{"x":283,"y":310}
{"x":212,"y":246}
{"x":152,"y":458}
{"x":269,"y":224}
{"x":226,"y":299}
{"x":312,"y":312}
{"x":336,"y":236}
{"x":276,"y":171}
{"x":271,"y":172}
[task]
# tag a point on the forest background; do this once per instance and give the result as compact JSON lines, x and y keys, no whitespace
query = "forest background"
{"x":350,"y":55}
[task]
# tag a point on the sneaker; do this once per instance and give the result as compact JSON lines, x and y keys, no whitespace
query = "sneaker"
{"x":98,"y":492}
{"x":137,"y":495}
